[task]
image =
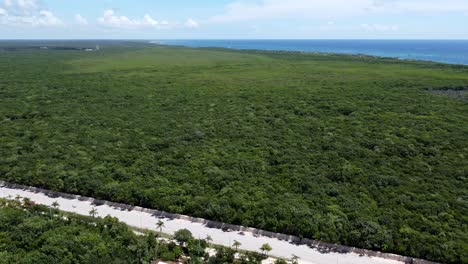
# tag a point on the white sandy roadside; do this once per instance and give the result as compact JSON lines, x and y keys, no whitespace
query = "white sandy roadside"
{"x":249,"y":242}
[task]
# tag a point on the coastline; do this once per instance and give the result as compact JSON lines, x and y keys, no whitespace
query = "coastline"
{"x":242,"y":45}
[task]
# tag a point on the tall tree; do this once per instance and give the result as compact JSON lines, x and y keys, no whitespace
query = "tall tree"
{"x":55,"y":205}
{"x":294,"y":259}
{"x":160,"y":225}
{"x":209,"y":239}
{"x":93,"y":212}
{"x":236,"y":245}
{"x":265,"y":248}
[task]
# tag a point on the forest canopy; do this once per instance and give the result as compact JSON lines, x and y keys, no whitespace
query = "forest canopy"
{"x":345,"y":149}
{"x":31,"y":233}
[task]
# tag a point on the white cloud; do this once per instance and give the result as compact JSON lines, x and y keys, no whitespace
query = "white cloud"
{"x":110,"y":19}
{"x":148,"y":20}
{"x":47,"y":18}
{"x":379,"y":27}
{"x":244,"y":10}
{"x":27,"y":5}
{"x":42,"y":18}
{"x":21,"y":6}
{"x":27,"y":13}
{"x":190,"y":23}
{"x":81,"y":20}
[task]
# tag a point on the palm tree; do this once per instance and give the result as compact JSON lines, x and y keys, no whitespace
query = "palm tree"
{"x":160,"y":225}
{"x":265,"y":249}
{"x":26,"y":201}
{"x":294,"y":259}
{"x":55,"y":205}
{"x":209,"y":239}
{"x":236,"y":245}
{"x":93,"y":212}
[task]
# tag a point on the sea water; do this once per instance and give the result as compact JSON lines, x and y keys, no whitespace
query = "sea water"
{"x":444,"y":51}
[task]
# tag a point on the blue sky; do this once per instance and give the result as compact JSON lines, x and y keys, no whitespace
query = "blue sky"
{"x":234,"y":19}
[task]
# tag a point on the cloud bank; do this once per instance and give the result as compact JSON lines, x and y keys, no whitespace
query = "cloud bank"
{"x":111,"y":20}
{"x":27,"y":13}
{"x":190,"y":23}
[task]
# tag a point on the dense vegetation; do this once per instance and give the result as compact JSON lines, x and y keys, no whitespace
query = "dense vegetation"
{"x":35,"y":234}
{"x":344,"y":149}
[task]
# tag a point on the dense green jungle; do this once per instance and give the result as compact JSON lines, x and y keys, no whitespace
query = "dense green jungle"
{"x":357,"y":150}
{"x":36,"y":234}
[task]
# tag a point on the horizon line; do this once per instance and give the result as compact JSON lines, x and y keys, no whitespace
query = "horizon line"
{"x":162,"y":39}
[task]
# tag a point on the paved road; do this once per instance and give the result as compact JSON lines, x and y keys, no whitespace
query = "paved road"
{"x":144,"y":220}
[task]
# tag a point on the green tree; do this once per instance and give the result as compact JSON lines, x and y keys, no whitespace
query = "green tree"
{"x":93,"y":212}
{"x":55,"y":205}
{"x":294,"y":259}
{"x":183,"y":236}
{"x":236,"y":245}
{"x":26,"y":201}
{"x":209,"y":239}
{"x":160,"y":225}
{"x":178,"y":251}
{"x":265,"y":248}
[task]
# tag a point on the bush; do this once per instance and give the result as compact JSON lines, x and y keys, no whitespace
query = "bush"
{"x":168,"y":256}
{"x":183,"y":236}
